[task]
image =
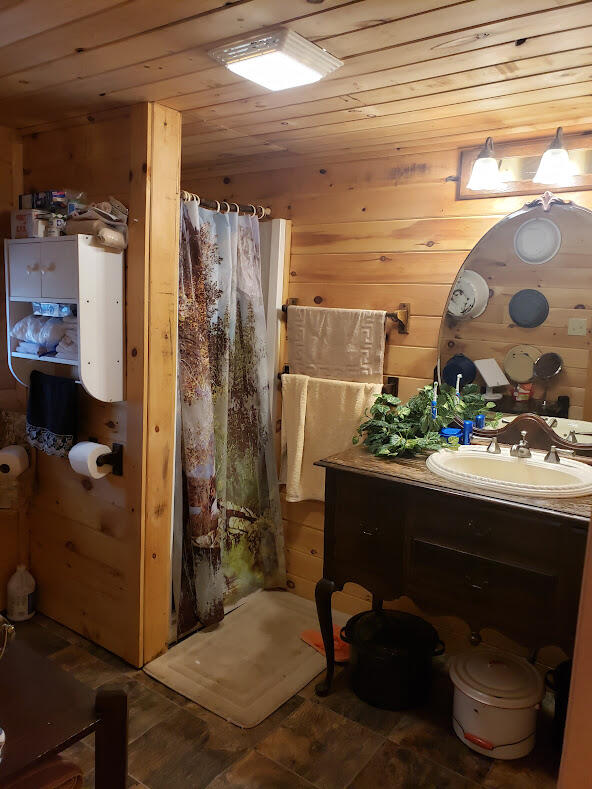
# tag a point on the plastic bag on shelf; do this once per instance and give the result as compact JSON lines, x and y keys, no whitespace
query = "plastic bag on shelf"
{"x":39,"y":329}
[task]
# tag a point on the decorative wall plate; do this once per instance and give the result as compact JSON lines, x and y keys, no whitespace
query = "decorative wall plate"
{"x":519,"y":363}
{"x":470,"y":296}
{"x":459,"y":363}
{"x":529,"y":308}
{"x":537,"y":241}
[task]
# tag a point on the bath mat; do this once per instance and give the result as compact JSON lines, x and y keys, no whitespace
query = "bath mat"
{"x":247,"y":666}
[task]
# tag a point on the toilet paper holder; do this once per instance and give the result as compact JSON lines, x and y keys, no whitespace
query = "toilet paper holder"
{"x":113,"y":458}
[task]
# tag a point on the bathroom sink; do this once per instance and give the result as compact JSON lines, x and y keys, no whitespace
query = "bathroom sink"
{"x":473,"y":465}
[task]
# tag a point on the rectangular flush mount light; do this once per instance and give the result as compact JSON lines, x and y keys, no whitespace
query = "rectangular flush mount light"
{"x":277,"y":59}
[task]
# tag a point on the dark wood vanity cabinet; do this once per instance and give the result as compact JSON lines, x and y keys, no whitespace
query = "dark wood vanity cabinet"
{"x":395,"y":529}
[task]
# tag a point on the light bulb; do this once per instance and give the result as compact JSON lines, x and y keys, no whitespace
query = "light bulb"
{"x":555,"y":167}
{"x":485,"y":175}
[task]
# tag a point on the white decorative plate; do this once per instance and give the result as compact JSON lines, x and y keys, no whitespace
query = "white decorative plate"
{"x":519,"y":363}
{"x":470,"y":295}
{"x":537,"y":241}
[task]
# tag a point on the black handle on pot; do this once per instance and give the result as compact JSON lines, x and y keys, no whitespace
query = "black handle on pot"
{"x":343,"y":636}
{"x":439,"y":649}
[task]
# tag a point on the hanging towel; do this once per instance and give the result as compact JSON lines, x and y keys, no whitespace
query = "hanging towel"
{"x":52,"y":412}
{"x":319,"y":419}
{"x":345,"y":345}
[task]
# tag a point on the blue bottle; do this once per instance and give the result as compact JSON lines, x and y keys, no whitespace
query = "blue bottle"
{"x":480,"y":420}
{"x":467,"y":432}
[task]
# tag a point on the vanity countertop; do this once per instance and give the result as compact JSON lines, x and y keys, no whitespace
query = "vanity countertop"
{"x":413,"y":471}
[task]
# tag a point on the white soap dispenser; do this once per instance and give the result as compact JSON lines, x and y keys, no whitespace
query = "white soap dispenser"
{"x":20,"y":595}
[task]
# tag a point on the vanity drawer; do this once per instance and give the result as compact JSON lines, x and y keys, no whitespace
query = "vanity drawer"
{"x":515,"y":537}
{"x":494,"y":593}
{"x":364,"y":534}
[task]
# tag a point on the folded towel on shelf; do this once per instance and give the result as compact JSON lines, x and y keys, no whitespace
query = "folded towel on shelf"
{"x":68,"y":345}
{"x":345,"y":345}
{"x":34,"y":348}
{"x":52,"y":413}
{"x":319,"y":419}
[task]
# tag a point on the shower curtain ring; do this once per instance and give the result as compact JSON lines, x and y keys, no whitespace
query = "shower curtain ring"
{"x":237,"y":207}
{"x":227,"y":207}
{"x":254,"y":209}
{"x":262,"y":209}
{"x":217,"y":206}
{"x":197,"y":199}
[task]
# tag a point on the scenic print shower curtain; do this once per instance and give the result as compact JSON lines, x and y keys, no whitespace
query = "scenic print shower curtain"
{"x":232,"y":541}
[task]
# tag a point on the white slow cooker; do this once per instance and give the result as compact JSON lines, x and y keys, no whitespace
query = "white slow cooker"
{"x":496,"y":699}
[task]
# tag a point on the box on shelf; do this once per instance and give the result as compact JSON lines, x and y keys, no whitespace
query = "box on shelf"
{"x":55,"y":201}
{"x":28,"y":223}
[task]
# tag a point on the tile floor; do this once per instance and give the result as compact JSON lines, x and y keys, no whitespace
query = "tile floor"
{"x":337,"y":742}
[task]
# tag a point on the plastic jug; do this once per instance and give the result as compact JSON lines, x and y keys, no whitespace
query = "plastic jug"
{"x":20,"y":595}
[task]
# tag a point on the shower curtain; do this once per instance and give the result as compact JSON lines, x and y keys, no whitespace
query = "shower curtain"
{"x":231,"y":542}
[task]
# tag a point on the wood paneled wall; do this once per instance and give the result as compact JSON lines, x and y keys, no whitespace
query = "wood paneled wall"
{"x":88,"y":537}
{"x":369,"y":234}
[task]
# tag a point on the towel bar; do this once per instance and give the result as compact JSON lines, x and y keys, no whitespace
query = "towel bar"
{"x":400,"y":316}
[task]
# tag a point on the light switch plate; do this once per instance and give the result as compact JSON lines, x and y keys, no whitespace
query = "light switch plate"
{"x":577,"y":326}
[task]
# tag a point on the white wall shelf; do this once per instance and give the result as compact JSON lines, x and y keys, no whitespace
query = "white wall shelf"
{"x":73,"y":270}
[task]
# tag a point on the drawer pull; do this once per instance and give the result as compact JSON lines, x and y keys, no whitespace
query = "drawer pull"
{"x":31,"y":268}
{"x":49,"y":267}
{"x":479,"y":585}
{"x":477,"y":531}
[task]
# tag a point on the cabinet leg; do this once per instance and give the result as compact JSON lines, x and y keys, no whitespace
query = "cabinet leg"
{"x":323,"y":594}
{"x":111,"y":740}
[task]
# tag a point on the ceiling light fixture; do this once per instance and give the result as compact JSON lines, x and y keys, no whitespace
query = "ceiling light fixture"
{"x":555,"y":166}
{"x":277,"y":59}
{"x":485,"y":175}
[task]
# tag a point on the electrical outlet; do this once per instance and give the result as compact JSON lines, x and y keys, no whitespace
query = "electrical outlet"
{"x":577,"y":326}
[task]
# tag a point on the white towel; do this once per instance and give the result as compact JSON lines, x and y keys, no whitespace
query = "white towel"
{"x":319,"y":419}
{"x":344,"y":345}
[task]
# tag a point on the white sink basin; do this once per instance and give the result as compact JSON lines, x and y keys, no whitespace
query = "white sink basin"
{"x":473,"y":465}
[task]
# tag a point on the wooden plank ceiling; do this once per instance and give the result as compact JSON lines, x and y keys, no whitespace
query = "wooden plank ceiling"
{"x":417,"y":74}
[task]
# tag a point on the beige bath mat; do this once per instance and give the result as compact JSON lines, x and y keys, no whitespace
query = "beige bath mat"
{"x":251,"y":663}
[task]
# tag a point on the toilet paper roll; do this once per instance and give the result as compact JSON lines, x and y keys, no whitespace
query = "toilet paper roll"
{"x":13,"y":461}
{"x":83,"y":459}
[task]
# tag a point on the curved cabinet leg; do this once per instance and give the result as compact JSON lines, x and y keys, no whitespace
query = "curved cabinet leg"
{"x":323,"y":594}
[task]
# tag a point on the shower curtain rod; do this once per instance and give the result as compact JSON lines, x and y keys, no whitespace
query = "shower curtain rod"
{"x":217,"y":206}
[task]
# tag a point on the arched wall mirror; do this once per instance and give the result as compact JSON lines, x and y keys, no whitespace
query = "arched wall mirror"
{"x":519,"y":317}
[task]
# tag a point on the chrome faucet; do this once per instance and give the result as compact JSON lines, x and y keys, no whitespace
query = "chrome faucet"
{"x":521,"y":449}
{"x":553,"y":454}
{"x":494,"y":447}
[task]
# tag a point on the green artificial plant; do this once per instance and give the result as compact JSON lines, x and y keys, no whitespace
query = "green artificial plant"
{"x":392,"y":429}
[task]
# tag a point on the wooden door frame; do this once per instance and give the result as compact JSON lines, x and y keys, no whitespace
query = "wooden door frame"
{"x":152,"y":352}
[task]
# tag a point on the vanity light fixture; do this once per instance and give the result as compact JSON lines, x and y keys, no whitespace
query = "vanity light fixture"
{"x":277,"y":59}
{"x":555,"y":166}
{"x":485,"y":174}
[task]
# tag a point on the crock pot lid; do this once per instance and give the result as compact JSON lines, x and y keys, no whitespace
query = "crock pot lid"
{"x":497,"y":679}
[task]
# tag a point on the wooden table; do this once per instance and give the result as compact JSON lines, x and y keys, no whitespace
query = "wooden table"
{"x":44,"y":710}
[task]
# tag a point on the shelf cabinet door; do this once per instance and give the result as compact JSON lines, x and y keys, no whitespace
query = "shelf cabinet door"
{"x":59,"y":270}
{"x":24,"y":262}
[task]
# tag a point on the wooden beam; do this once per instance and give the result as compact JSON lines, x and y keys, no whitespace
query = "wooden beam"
{"x":162,"y":270}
